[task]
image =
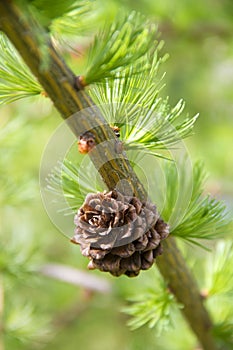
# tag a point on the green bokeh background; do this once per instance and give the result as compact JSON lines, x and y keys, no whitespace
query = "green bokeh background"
{"x":199,"y":39}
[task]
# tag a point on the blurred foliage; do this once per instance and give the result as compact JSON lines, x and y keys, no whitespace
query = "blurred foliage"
{"x":198,"y":37}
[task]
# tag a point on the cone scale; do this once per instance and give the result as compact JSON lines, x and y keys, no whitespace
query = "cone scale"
{"x":119,"y":234}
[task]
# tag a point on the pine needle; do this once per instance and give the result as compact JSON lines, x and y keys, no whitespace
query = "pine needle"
{"x":74,"y":182}
{"x":76,"y":21}
{"x":16,"y":80}
{"x":154,"y":307}
{"x":204,"y":217}
{"x":115,"y":47}
{"x":132,"y":102}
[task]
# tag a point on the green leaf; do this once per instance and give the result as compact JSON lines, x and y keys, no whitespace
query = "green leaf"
{"x":119,"y":45}
{"x":219,"y":272}
{"x":51,"y":11}
{"x":22,"y":322}
{"x":14,"y":190}
{"x":16,"y":80}
{"x":222,"y":332}
{"x":204,"y":217}
{"x":77,"y":20}
{"x":154,"y":307}
{"x":17,"y":255}
{"x":74,"y":181}
{"x":219,"y":291}
{"x":132,"y":102}
{"x":132,"y":91}
{"x":158,"y":129}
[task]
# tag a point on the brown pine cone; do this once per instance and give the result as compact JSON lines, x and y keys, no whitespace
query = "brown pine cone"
{"x":119,"y":234}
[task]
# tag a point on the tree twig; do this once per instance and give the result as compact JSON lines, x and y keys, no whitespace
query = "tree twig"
{"x":181,"y":283}
{"x":76,"y":277}
{"x":58,"y":82}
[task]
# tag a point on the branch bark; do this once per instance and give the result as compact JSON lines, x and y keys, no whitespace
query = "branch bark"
{"x":58,"y":81}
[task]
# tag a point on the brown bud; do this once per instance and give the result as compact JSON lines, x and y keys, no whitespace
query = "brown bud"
{"x":80,"y":82}
{"x":86,"y":142}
